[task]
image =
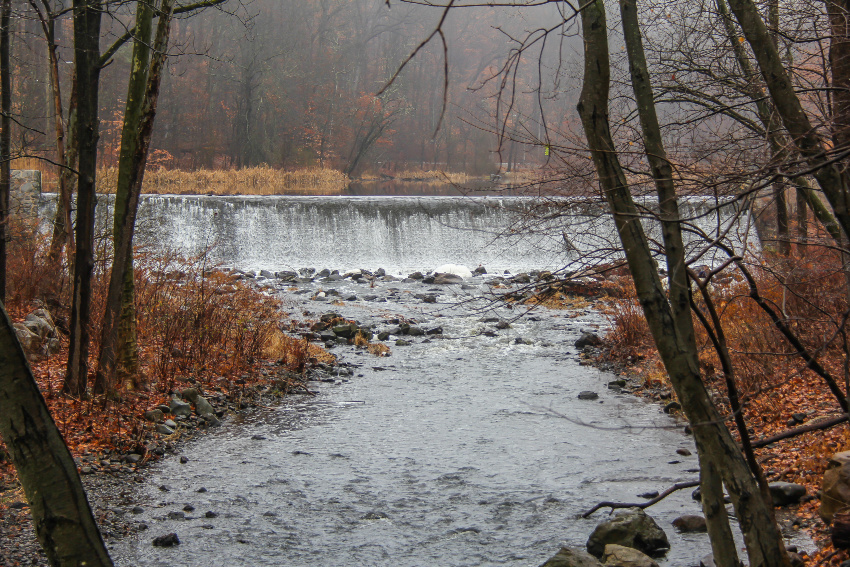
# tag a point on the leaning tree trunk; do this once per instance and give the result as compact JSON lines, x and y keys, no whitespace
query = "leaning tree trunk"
{"x":678,"y":352}
{"x":87,"y":17}
{"x":61,"y":514}
{"x":805,"y":137}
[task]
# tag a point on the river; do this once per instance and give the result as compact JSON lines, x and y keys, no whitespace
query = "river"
{"x":465,"y":449}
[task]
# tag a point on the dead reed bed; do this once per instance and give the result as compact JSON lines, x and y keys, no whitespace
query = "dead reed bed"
{"x":245,"y":181}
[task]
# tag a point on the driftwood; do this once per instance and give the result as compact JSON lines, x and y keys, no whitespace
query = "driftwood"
{"x":647,"y":504}
{"x":826,"y":424}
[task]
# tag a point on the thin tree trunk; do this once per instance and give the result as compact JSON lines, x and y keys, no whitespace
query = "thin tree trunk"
{"x":5,"y":136}
{"x":87,"y":17}
{"x":764,"y":543}
{"x":802,"y":222}
{"x":61,"y":514}
{"x":805,"y":137}
{"x":139,"y":118}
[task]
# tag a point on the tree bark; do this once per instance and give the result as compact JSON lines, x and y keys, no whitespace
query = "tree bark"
{"x":678,"y":352}
{"x":142,"y":97}
{"x":805,"y":137}
{"x":87,"y":17}
{"x":61,"y":514}
{"x":5,"y":135}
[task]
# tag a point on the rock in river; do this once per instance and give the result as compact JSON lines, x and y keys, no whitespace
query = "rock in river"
{"x":588,"y":395}
{"x":168,"y":540}
{"x":630,"y":528}
{"x":621,"y":556}
{"x":569,"y":557}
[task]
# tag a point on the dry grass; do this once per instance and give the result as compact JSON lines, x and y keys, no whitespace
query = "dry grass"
{"x":293,"y":352}
{"x":246,"y":181}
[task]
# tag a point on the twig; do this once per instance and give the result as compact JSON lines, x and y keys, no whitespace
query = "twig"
{"x":642,"y":505}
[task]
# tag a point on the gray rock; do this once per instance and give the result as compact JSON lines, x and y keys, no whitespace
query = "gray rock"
{"x":707,"y":561}
{"x":190,"y":394}
{"x":179,"y":408}
{"x":168,"y":540}
{"x":835,"y":487}
{"x":447,"y":279}
{"x":569,"y":557}
{"x":415,"y":332}
{"x":30,"y":341}
{"x":266,"y":274}
{"x":786,"y":493}
{"x":346,"y":330}
{"x":588,"y":395}
{"x":132,"y":458}
{"x":154,"y":415}
{"x":176,"y":515}
{"x":630,"y":528}
{"x":402,"y":342}
{"x":415,"y":276}
{"x":203,"y":407}
{"x":39,"y":326}
{"x":689,"y":523}
{"x":45,"y":315}
{"x":621,"y":556}
{"x":211,"y":419}
{"x":588,"y":339}
{"x":163,"y":429}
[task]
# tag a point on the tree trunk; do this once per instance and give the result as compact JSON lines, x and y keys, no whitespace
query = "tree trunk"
{"x":5,"y":136}
{"x":142,"y":97}
{"x":62,"y":234}
{"x":87,"y":16}
{"x":61,"y":514}
{"x":805,"y":137}
{"x":675,"y":344}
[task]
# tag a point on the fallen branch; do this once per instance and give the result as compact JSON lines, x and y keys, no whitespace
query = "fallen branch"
{"x":826,"y":424}
{"x":647,"y":504}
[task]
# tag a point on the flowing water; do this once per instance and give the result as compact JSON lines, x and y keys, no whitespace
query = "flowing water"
{"x":462,"y":450}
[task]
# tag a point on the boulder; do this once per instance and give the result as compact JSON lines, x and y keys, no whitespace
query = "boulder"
{"x":690,"y":523}
{"x":190,"y":394}
{"x":179,"y":408}
{"x":454,"y":269}
{"x":163,"y":429}
{"x":588,"y":395}
{"x":629,"y":528}
{"x":203,"y":407}
{"x":621,"y":556}
{"x":786,"y":493}
{"x":569,"y":557}
{"x":346,"y":330}
{"x":835,"y":489}
{"x":211,"y":419}
{"x":28,"y":339}
{"x":447,"y":279}
{"x":168,"y":540}
{"x":154,"y":415}
{"x":588,"y":339}
{"x":42,"y":327}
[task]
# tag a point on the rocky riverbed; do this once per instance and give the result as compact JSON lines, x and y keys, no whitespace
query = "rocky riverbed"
{"x":474,"y":442}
